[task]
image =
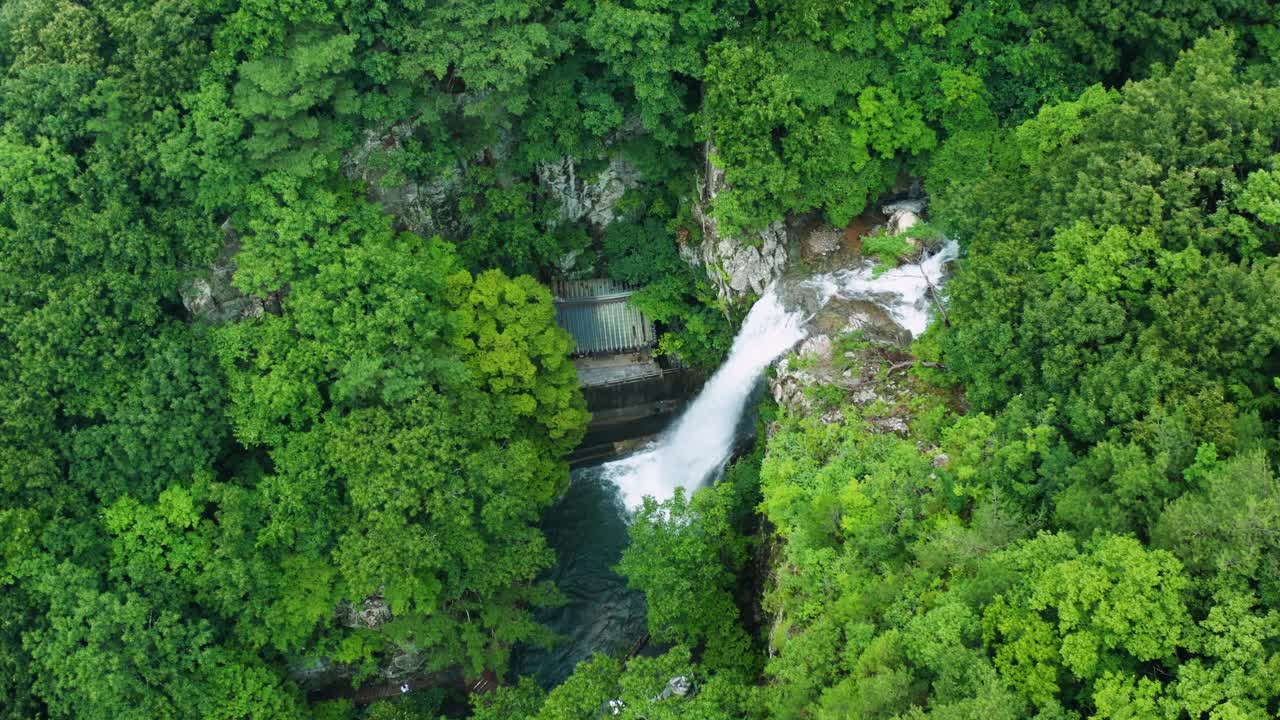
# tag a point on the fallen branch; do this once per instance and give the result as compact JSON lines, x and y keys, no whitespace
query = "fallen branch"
{"x":933,"y":295}
{"x":909,"y":363}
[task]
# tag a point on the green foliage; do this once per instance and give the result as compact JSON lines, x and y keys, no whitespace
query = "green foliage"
{"x":392,"y":375}
{"x":671,"y":292}
{"x":1102,"y":612}
{"x":1127,"y":287}
{"x":885,"y":247}
{"x":1224,"y":532}
{"x":684,"y":555}
{"x":820,"y":105}
{"x":522,"y":700}
{"x":296,"y":103}
{"x":168,"y":424}
{"x":636,"y":691}
{"x":584,"y":695}
{"x":660,"y":48}
{"x":419,"y":705}
{"x":785,"y":139}
{"x":17,"y":677}
{"x":119,"y":655}
{"x":507,"y":227}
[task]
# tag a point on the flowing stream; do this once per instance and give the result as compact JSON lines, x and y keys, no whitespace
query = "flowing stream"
{"x":587,"y":527}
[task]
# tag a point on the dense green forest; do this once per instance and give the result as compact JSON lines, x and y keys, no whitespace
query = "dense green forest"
{"x":199,"y":508}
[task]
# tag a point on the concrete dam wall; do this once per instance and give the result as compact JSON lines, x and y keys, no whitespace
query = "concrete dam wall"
{"x":631,"y":399}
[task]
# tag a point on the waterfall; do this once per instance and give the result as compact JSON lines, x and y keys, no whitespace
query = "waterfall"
{"x":701,"y":440}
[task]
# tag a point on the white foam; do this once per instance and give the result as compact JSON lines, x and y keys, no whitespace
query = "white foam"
{"x":902,"y":291}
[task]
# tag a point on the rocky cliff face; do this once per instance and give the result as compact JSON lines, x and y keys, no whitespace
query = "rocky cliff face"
{"x":737,"y":266}
{"x":419,"y":205}
{"x":591,"y":199}
{"x":855,"y":349}
{"x":429,"y":206}
{"x":868,"y":375}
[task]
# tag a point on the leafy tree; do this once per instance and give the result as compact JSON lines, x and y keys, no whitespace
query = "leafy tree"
{"x":1237,"y":672}
{"x":1223,"y":532}
{"x":109,"y":654}
{"x":660,"y":48}
{"x":492,"y":51}
{"x":421,"y":411}
{"x":636,"y":691}
{"x":507,"y":227}
{"x":167,"y":425}
{"x":1130,"y":329}
{"x":585,"y":693}
{"x":295,"y":103}
{"x":819,"y":105}
{"x":521,"y":700}
{"x":683,"y":556}
{"x":671,"y":292}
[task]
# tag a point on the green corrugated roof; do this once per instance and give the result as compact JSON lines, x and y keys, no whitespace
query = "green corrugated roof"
{"x":600,"y":318}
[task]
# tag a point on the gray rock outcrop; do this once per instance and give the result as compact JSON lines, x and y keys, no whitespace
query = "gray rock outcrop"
{"x":735,"y":265}
{"x":371,"y":613}
{"x":418,"y":205}
{"x":800,"y":370}
{"x":211,"y":296}
{"x":852,"y":359}
{"x":593,"y":199}
{"x":678,"y":686}
{"x":823,"y":241}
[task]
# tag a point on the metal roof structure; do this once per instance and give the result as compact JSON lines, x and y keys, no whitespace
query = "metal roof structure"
{"x":600,"y":318}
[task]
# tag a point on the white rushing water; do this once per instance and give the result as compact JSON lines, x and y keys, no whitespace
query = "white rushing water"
{"x":701,"y":440}
{"x":902,"y":291}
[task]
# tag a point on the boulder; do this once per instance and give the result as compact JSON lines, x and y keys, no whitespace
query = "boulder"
{"x":823,"y":241}
{"x":903,"y":216}
{"x":817,"y":347}
{"x":788,"y":383}
{"x":211,"y":296}
{"x":678,"y":686}
{"x":406,"y":662}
